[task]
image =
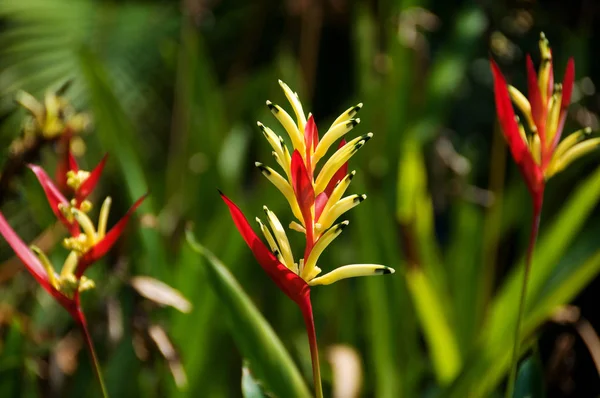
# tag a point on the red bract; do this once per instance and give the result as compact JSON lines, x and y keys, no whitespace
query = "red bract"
{"x":103,"y":246}
{"x":34,"y":266}
{"x":291,"y":284}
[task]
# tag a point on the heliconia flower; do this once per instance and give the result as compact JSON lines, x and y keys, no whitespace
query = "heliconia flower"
{"x":316,"y":202}
{"x":535,"y":144}
{"x":90,"y":243}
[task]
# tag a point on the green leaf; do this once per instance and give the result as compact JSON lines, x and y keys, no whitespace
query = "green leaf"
{"x":253,"y":335}
{"x":530,"y":379}
{"x":251,"y":388}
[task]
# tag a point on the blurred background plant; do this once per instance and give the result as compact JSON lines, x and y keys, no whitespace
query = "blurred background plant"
{"x":174,"y":90}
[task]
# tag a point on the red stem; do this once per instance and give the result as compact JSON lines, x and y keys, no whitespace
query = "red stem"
{"x":90,"y":345}
{"x":535,"y":224}
{"x":306,"y":308}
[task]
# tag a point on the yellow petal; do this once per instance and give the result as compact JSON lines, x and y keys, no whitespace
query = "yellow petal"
{"x":70,"y":264}
{"x":47,"y":266}
{"x":284,"y":187}
{"x":351,"y":271}
{"x":29,"y":102}
{"x":296,"y":105}
{"x":545,"y":67}
{"x":333,"y":134}
{"x":103,"y":219}
{"x":337,"y":160}
{"x":524,"y":106}
{"x":535,"y":147}
{"x":347,"y":115}
{"x":297,"y":227}
{"x":86,"y":224}
{"x":570,"y":141}
{"x":269,"y":238}
{"x":281,"y":238}
{"x":338,"y":209}
{"x":571,"y":155}
{"x":321,"y":244}
{"x":289,"y":125}
{"x":553,"y":115}
{"x":337,"y":192}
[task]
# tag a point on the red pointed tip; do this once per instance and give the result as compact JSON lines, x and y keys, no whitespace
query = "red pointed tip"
{"x":290,"y":283}
{"x":538,"y":110}
{"x":53,"y":194}
{"x":111,"y":237}
{"x":90,"y":183}
{"x":568,"y":81}
{"x":73,"y":166}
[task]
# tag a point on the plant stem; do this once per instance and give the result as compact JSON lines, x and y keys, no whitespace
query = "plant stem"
{"x":535,"y":224}
{"x":306,"y":308}
{"x":90,"y":345}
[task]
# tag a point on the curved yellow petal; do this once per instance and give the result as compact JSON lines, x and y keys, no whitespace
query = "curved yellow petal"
{"x":289,"y":125}
{"x":281,"y":238}
{"x":347,"y":115}
{"x":283,"y":186}
{"x":321,"y":244}
{"x":333,"y":134}
{"x":351,"y":271}
{"x":342,"y":206}
{"x":296,"y":105}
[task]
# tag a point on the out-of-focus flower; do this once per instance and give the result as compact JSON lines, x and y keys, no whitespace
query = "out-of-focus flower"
{"x":316,"y":202}
{"x":535,"y":144}
{"x":51,"y":118}
{"x":86,"y":244}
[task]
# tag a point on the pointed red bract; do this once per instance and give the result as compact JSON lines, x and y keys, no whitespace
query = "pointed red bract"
{"x":529,"y":169}
{"x":90,"y":183}
{"x":339,"y":175}
{"x":102,"y":247}
{"x":310,"y":131}
{"x":568,"y":81}
{"x":305,"y":195}
{"x":33,"y":264}
{"x":54,"y":198}
{"x":291,"y":284}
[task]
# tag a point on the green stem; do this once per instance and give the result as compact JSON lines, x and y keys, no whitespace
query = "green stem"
{"x":90,"y":345}
{"x":537,"y":212}
{"x":306,"y":308}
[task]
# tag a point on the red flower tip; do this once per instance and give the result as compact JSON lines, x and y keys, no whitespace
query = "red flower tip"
{"x":73,"y":166}
{"x":55,"y":198}
{"x":102,"y":247}
{"x":291,"y":284}
{"x":90,"y":183}
{"x":304,"y":192}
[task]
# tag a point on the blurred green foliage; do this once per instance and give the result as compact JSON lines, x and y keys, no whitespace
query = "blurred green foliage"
{"x":175,"y":89}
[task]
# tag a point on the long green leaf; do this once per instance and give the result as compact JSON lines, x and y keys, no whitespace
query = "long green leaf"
{"x":253,"y":335}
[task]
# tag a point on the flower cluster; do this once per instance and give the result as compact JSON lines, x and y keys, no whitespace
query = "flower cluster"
{"x":316,"y":201}
{"x":86,"y":242}
{"x":535,"y":145}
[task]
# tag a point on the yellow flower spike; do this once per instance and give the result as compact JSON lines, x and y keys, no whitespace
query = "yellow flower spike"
{"x":283,"y":186}
{"x":338,"y":209}
{"x":53,"y":125}
{"x":270,"y":239}
{"x":322,"y":243}
{"x":337,"y":160}
{"x":571,"y":155}
{"x":281,"y":238}
{"x":47,"y":266}
{"x":103,"y":219}
{"x":315,"y":271}
{"x":535,"y":146}
{"x":70,"y":264}
{"x":570,"y":141}
{"x":285,"y":166}
{"x":351,"y":271}
{"x":333,"y":134}
{"x":524,"y":106}
{"x":553,"y":114}
{"x":86,"y":224}
{"x":545,"y":67}
{"x":289,"y":125}
{"x":347,"y":115}
{"x":338,"y":191}
{"x":296,"y":105}
{"x":78,"y":243}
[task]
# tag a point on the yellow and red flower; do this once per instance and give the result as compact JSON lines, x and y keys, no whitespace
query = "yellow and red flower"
{"x":535,"y":144}
{"x":316,"y":202}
